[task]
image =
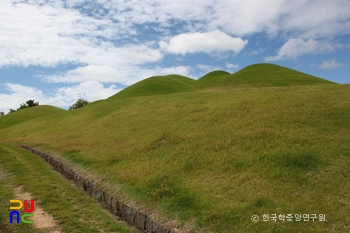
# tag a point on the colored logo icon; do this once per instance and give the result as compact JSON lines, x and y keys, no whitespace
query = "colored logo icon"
{"x":17,"y":205}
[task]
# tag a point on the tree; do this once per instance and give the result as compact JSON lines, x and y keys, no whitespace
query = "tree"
{"x":32,"y":103}
{"x":28,"y":104}
{"x":79,"y":104}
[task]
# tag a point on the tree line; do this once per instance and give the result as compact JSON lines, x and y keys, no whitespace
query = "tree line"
{"x":28,"y":104}
{"x":31,"y":103}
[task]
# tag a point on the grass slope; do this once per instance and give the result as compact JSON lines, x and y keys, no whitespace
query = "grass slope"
{"x":211,"y":79}
{"x":260,"y":75}
{"x":28,"y":114}
{"x":73,"y":210}
{"x":157,"y":85}
{"x":215,"y":158}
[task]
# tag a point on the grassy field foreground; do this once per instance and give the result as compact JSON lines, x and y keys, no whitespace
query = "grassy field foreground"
{"x":214,"y":158}
{"x":72,"y":210}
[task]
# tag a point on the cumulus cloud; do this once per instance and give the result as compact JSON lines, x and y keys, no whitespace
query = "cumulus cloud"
{"x":18,"y":94}
{"x":305,"y":19}
{"x":47,"y":35}
{"x":203,"y":42}
{"x":182,"y":70}
{"x":51,"y":33}
{"x":231,"y":66}
{"x":297,"y":47}
{"x":243,"y":17}
{"x":316,"y":18}
{"x":80,"y":74}
{"x":331,"y":64}
{"x":90,"y":90}
{"x":257,"y":52}
{"x":206,"y":69}
{"x":312,"y":18}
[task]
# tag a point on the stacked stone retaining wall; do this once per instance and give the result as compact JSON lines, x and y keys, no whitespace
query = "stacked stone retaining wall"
{"x":132,"y":216}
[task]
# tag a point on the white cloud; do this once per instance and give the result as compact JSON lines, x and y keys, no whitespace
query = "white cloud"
{"x":203,"y":42}
{"x":331,"y":64}
{"x":127,"y":75}
{"x":303,"y":18}
{"x":80,"y":74}
{"x":242,"y":17}
{"x":257,"y":52}
{"x":204,"y":69}
{"x":51,"y":33}
{"x":90,"y":90}
{"x":300,"y":18}
{"x":43,"y":35}
{"x":297,"y":47}
{"x":231,"y":66}
{"x":181,"y":70}
{"x":316,"y":18}
{"x":18,"y":94}
{"x":47,"y":36}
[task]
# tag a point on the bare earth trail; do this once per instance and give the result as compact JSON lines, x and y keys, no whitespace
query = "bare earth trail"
{"x":59,"y":206}
{"x":42,"y":219}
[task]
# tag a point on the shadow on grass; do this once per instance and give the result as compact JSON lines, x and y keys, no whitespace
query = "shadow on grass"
{"x":167,"y":191}
{"x":291,"y":166}
{"x":296,"y":161}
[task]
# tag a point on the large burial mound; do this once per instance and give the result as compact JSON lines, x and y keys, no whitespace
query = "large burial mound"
{"x":258,"y":75}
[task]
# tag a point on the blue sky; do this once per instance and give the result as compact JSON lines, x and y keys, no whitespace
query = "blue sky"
{"x":56,"y":51}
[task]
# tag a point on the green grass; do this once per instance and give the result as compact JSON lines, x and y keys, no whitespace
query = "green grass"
{"x":214,"y":159}
{"x":260,"y":75}
{"x":27,"y":114}
{"x":73,"y":210}
{"x":157,"y":85}
{"x":212,"y":79}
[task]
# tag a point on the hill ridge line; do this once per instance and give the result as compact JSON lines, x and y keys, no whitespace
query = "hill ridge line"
{"x":255,"y":75}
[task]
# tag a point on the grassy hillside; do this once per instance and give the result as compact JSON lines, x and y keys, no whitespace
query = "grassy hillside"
{"x":28,"y":114}
{"x":214,"y":78}
{"x":156,"y":86}
{"x":214,"y":159}
{"x":73,"y":211}
{"x":258,"y":75}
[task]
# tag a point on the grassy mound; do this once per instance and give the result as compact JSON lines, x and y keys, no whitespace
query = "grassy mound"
{"x":28,"y":114}
{"x":211,"y":79}
{"x":157,"y":85}
{"x":260,"y":75}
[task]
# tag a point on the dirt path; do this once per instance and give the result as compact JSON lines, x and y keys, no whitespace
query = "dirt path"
{"x":3,"y":227}
{"x":42,"y":219}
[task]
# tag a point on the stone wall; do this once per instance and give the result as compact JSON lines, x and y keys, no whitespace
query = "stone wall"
{"x":132,"y":216}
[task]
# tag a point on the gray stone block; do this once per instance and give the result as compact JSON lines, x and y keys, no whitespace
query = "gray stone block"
{"x":140,"y":221}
